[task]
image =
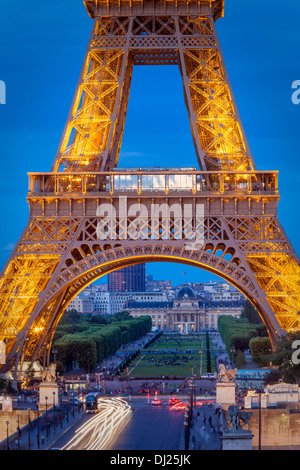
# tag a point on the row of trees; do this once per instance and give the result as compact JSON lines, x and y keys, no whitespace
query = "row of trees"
{"x":284,"y":365}
{"x":88,"y":342}
{"x":286,"y":358}
{"x":248,"y":332}
{"x":237,"y":332}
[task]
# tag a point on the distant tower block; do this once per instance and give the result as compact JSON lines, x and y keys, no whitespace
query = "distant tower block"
{"x":129,"y":279}
{"x":60,"y":253}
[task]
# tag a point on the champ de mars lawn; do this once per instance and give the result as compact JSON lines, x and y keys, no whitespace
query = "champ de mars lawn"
{"x":172,"y":355}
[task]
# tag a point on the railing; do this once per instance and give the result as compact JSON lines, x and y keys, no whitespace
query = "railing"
{"x":155,"y":181}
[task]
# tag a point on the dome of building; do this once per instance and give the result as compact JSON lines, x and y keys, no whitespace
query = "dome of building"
{"x":186,"y":293}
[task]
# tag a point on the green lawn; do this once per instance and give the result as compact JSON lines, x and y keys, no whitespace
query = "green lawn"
{"x":178,"y":342}
{"x":158,"y":365}
{"x":156,"y":362}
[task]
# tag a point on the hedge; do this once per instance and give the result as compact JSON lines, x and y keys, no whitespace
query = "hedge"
{"x":237,"y":332}
{"x":91,"y":346}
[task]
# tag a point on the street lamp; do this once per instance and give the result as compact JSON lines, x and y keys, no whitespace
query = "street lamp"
{"x":53,"y":412}
{"x":201,"y":356}
{"x":232,"y":350}
{"x":7,"y":445}
{"x":259,"y":419}
{"x":46,"y":399}
{"x":38,"y":424}
{"x":61,"y":411}
{"x":18,"y":429}
{"x":29,"y":426}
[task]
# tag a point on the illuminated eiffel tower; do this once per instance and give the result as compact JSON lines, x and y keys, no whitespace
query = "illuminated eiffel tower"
{"x":88,"y":218}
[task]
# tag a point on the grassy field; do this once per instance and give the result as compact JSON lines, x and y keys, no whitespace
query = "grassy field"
{"x":180,"y":342}
{"x":184,"y":359}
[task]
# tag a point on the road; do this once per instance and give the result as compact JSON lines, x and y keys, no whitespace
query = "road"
{"x":138,"y":427}
{"x":151,"y":428}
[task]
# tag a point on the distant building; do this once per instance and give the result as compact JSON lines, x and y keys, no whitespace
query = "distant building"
{"x":109,"y":303}
{"x":129,"y":279}
{"x":82,"y":303}
{"x":158,"y":286}
{"x":101,"y":303}
{"x":187,"y":313}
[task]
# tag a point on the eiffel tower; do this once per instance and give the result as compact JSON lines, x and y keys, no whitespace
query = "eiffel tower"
{"x":88,"y":218}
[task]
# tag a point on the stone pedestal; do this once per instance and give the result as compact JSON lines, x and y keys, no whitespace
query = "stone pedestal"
{"x":7,"y":405}
{"x":252,"y":401}
{"x":50,"y":390}
{"x":237,"y":440}
{"x":225,"y":394}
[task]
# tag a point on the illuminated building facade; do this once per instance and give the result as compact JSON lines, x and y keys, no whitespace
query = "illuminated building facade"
{"x":187,"y":313}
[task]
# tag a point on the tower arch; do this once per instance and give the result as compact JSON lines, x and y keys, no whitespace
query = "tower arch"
{"x":73,"y":279}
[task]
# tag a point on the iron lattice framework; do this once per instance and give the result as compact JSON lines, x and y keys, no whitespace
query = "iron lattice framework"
{"x":60,"y":251}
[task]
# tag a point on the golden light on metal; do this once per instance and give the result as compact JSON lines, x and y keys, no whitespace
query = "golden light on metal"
{"x":60,"y":253}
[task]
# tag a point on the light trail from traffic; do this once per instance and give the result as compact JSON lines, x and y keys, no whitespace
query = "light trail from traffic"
{"x":103,"y":426}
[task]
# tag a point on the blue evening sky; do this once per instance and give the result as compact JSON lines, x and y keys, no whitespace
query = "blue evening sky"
{"x":42,"y":47}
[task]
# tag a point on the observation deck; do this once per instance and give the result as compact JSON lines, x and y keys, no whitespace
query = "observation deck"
{"x":97,"y":8}
{"x":157,"y":181}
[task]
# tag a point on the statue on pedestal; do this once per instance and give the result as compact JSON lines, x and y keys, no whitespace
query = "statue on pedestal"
{"x":48,"y":387}
{"x":49,"y":375}
{"x":226,"y":375}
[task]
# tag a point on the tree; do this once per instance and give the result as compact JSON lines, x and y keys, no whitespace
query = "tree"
{"x":240,"y":360}
{"x":261,"y":349}
{"x":282,"y":357}
{"x":86,"y":354}
{"x":97,"y":320}
{"x":122,"y":316}
{"x":273,"y":377}
{"x":92,"y":342}
{"x":250,"y":313}
{"x":237,"y":332}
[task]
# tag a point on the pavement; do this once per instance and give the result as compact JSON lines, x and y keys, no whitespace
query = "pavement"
{"x":41,"y":438}
{"x":207,"y":428}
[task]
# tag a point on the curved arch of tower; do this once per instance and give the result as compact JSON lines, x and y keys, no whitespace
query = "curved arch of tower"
{"x":87,"y":217}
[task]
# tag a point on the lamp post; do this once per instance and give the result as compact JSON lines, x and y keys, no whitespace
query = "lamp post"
{"x":29,"y":426}
{"x":259,"y":418}
{"x":68,"y":404}
{"x":7,"y":445}
{"x":259,"y":422}
{"x":201,"y":356}
{"x":18,"y":429}
{"x":54,"y":412}
{"x":38,"y":424}
{"x":61,"y":412}
{"x":232,"y":350}
{"x":46,"y":399}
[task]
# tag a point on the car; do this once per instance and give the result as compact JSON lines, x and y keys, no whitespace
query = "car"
{"x":205,"y":376}
{"x":173,"y":401}
{"x":156,"y":402}
{"x":208,"y":376}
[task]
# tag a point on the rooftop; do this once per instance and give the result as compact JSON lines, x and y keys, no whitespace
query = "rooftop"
{"x":186,"y":293}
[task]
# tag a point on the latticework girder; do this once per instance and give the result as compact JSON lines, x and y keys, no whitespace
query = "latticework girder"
{"x":68,"y":242}
{"x":94,"y":129}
